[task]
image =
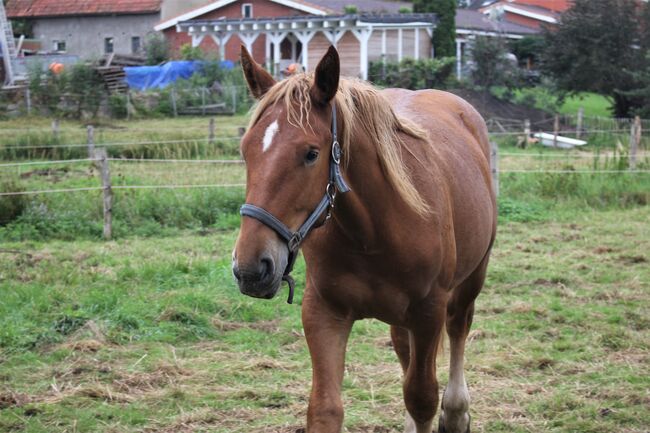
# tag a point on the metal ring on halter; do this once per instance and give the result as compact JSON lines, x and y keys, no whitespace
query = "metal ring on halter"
{"x":336,"y":152}
{"x":331,"y":193}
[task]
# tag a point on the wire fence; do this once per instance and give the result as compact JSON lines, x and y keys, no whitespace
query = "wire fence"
{"x":101,"y":162}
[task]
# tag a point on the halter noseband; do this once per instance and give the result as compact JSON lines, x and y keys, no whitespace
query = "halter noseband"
{"x":295,"y":239}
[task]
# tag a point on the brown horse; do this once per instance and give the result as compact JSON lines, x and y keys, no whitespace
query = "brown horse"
{"x":408,"y":244}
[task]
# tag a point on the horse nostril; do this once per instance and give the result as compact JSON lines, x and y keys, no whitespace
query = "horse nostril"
{"x":267,"y":268}
{"x":235,"y":271}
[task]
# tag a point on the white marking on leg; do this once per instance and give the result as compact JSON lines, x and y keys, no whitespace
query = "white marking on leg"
{"x":456,"y":397}
{"x":269,"y":135}
{"x":410,"y":424}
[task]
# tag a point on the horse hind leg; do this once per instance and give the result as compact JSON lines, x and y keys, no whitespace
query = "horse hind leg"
{"x":420,"y":386}
{"x":454,"y":417}
{"x":400,"y":339}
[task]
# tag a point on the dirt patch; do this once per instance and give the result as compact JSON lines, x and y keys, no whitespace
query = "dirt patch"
{"x":264,"y":326}
{"x":632,"y":260}
{"x":13,"y":399}
{"x":84,"y":346}
{"x":603,"y":250}
{"x":492,"y":107}
{"x":137,"y":383}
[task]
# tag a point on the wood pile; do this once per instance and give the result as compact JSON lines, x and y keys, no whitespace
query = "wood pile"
{"x":111,"y":69}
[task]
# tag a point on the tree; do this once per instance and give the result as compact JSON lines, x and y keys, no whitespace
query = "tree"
{"x":641,"y":92}
{"x":444,"y":36}
{"x":491,"y":65}
{"x":156,"y":49}
{"x":592,"y":49}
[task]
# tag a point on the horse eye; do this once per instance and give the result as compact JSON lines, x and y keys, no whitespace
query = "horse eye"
{"x":311,"y":156}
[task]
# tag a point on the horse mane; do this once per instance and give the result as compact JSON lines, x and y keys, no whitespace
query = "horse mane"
{"x":363,"y":111}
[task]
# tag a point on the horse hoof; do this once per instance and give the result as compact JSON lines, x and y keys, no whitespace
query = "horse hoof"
{"x":441,"y":426}
{"x":442,"y":429}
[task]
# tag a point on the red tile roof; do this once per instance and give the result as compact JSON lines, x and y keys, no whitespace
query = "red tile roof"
{"x":54,"y":8}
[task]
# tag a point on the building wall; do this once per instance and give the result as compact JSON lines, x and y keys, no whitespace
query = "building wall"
{"x":392,"y":51}
{"x":84,"y":36}
{"x":261,"y":9}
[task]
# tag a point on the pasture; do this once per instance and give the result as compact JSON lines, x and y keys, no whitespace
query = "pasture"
{"x":148,"y":333}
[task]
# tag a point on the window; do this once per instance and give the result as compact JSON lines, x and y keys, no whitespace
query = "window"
{"x":59,"y":46}
{"x":136,"y":44}
{"x":109,"y":45}
{"x":247,"y":10}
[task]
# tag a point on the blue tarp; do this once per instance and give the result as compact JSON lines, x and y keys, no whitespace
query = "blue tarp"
{"x":159,"y":77}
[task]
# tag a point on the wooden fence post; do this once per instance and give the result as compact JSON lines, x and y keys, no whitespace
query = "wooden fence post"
{"x":55,"y":129}
{"x":234,"y":99}
{"x":102,"y":162}
{"x":526,"y":132}
{"x":28,"y":100}
{"x":556,"y":129}
{"x":635,"y":140}
{"x":174,"y":106}
{"x":581,"y":116}
{"x":494,"y":165}
{"x":91,"y":141}
{"x":211,"y":131}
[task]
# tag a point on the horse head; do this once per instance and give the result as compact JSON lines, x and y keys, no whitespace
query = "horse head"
{"x":287,"y":150}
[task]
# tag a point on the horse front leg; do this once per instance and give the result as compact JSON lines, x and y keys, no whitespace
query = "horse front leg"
{"x":420,"y":383}
{"x":327,"y":333}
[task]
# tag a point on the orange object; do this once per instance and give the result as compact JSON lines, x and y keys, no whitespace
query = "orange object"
{"x":56,"y":68}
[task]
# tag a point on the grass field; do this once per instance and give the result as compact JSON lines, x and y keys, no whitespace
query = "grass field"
{"x":594,"y":105}
{"x":150,"y":335}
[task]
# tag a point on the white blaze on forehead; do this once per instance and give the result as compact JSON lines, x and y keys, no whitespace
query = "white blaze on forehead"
{"x":269,"y":135}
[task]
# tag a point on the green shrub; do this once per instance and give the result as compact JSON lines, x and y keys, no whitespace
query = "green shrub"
{"x":118,"y":106}
{"x":413,"y":74}
{"x":11,"y":207}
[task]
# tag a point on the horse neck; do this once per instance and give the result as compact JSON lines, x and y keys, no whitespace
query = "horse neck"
{"x":359,"y":216}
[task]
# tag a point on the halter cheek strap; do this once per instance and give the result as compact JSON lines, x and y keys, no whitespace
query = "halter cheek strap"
{"x":294,"y":239}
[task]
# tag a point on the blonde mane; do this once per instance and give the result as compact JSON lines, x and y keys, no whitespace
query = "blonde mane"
{"x":363,"y":112}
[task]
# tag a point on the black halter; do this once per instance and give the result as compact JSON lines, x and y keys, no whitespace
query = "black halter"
{"x":294,"y":239}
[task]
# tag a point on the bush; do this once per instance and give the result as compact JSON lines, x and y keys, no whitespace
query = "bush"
{"x":491,"y":65}
{"x":11,"y":207}
{"x":156,"y":49}
{"x":76,"y":92}
{"x":413,"y":74}
{"x":118,"y":106}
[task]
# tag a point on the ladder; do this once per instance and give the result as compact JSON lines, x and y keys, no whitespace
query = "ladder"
{"x":7,"y":45}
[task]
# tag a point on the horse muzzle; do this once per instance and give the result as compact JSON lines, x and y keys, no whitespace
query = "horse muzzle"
{"x":259,"y":279}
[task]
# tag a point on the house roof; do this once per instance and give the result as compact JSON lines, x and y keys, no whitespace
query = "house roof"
{"x":56,"y":8}
{"x":300,"y":5}
{"x":364,"y":6}
{"x":314,"y":7}
{"x":467,"y":19}
{"x":348,"y":21}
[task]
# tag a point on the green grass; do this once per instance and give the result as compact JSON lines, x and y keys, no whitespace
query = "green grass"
{"x":594,"y":105}
{"x":151,"y":335}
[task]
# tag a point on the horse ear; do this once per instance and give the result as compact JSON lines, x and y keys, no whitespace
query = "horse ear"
{"x":259,"y":81}
{"x":326,"y":79}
